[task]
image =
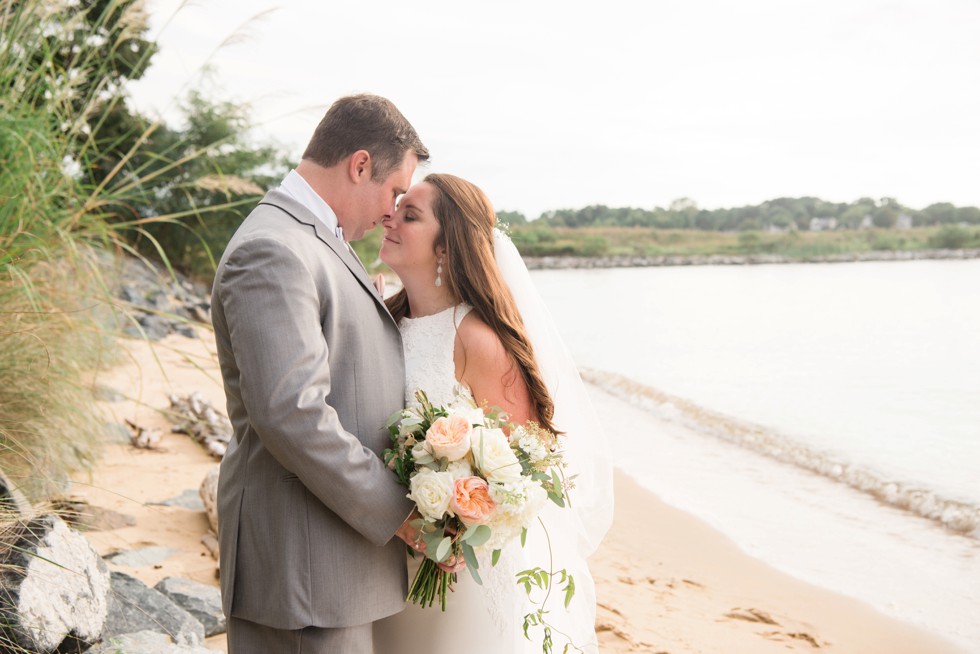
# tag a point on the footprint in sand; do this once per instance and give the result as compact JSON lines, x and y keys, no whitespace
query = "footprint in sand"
{"x":751,"y":615}
{"x":780,"y":636}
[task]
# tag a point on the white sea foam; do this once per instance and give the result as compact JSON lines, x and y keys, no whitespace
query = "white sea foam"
{"x":808,"y":525}
{"x":823,"y":417}
{"x":961,"y":517}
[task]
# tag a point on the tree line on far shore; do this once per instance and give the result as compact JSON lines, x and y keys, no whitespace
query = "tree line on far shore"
{"x":795,"y":228}
{"x":774,"y":215}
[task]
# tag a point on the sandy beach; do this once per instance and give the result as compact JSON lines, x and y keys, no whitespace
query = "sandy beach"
{"x":667,"y":582}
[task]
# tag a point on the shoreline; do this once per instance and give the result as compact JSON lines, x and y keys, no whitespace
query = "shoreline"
{"x":670,"y":583}
{"x":666,"y":581}
{"x":565,"y":262}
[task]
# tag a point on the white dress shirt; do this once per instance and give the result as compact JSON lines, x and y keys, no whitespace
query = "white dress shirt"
{"x":299,"y":189}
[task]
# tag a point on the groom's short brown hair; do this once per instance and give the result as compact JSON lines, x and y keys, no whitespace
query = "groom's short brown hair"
{"x":365,"y":122}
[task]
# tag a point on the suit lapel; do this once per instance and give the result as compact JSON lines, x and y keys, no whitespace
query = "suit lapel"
{"x":303,"y":215}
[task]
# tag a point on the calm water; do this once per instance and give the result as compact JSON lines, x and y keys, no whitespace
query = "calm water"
{"x":856,"y":391}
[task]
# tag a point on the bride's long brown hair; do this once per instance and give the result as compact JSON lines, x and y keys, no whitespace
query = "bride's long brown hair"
{"x":466,"y":221}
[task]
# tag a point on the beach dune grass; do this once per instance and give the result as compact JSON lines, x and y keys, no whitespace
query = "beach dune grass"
{"x":58,"y":316}
{"x":48,"y":335}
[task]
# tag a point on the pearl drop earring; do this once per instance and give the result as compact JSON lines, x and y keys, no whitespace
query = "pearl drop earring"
{"x":439,"y":272}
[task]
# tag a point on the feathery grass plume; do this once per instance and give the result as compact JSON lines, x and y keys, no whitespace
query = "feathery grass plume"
{"x":48,"y":333}
{"x":53,"y":300}
{"x":83,"y":176}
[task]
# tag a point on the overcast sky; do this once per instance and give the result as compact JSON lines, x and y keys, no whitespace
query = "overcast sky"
{"x":561,"y":104}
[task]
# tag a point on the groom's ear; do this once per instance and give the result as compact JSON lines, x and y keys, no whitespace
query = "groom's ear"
{"x":359,"y":166}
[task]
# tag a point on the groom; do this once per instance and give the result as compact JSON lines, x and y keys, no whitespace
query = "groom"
{"x":312,"y":368}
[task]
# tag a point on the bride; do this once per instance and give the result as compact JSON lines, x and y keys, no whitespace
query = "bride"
{"x":472,"y":322}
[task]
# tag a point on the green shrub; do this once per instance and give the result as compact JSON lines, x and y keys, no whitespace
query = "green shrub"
{"x":953,"y":237}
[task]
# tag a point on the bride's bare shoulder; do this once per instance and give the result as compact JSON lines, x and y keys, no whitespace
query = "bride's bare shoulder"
{"x":477,"y":341}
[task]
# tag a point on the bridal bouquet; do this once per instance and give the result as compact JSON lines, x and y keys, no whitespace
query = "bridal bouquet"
{"x":476,"y":488}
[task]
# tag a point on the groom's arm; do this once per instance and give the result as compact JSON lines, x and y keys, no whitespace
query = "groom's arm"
{"x":272,"y":310}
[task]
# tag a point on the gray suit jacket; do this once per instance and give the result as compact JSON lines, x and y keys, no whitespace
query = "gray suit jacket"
{"x":312,"y":366}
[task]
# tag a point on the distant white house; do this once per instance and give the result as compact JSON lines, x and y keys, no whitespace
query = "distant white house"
{"x":822,"y":224}
{"x":867,"y":222}
{"x":904,"y":221}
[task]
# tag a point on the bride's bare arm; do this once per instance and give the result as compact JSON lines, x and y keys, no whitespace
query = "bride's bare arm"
{"x":490,"y":371}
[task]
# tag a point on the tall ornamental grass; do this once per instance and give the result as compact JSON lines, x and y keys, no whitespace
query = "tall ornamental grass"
{"x":49,"y":332}
{"x":73,"y":186}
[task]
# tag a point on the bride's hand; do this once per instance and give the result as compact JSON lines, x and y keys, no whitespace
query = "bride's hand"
{"x":452,"y":564}
{"x":411,"y":535}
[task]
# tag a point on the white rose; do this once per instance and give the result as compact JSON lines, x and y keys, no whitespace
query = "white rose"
{"x":460,"y":469}
{"x":431,"y":491}
{"x":493,"y":456}
{"x":421,"y":453}
{"x":475,"y":415}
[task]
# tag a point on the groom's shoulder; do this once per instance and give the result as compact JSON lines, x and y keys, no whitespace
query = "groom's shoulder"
{"x":276,"y":204}
{"x":276,"y":215}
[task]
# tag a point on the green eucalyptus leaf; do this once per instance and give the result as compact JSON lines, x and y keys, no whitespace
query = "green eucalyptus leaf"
{"x":475,"y":575}
{"x":432,"y":540}
{"x":478,"y":536}
{"x":442,"y":549}
{"x":494,"y":557}
{"x":469,"y":555}
{"x":472,"y":564}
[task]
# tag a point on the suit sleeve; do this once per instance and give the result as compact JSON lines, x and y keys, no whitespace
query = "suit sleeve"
{"x":272,"y":309}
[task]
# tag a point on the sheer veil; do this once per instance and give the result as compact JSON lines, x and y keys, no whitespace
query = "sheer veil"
{"x":572,"y":534}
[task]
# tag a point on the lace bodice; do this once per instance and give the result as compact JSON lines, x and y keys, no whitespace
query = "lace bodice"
{"x":428,"y":342}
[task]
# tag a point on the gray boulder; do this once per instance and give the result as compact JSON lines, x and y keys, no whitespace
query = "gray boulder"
{"x":12,"y":500}
{"x":134,"y":606}
{"x":201,"y":601}
{"x":54,"y":587}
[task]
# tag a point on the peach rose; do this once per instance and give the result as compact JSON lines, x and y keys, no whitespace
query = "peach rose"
{"x":449,"y":437}
{"x":471,"y":501}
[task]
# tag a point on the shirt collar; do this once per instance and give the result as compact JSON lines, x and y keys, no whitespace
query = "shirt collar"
{"x":299,"y":189}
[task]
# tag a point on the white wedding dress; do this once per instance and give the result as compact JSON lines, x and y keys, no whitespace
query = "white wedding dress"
{"x":485,"y":619}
